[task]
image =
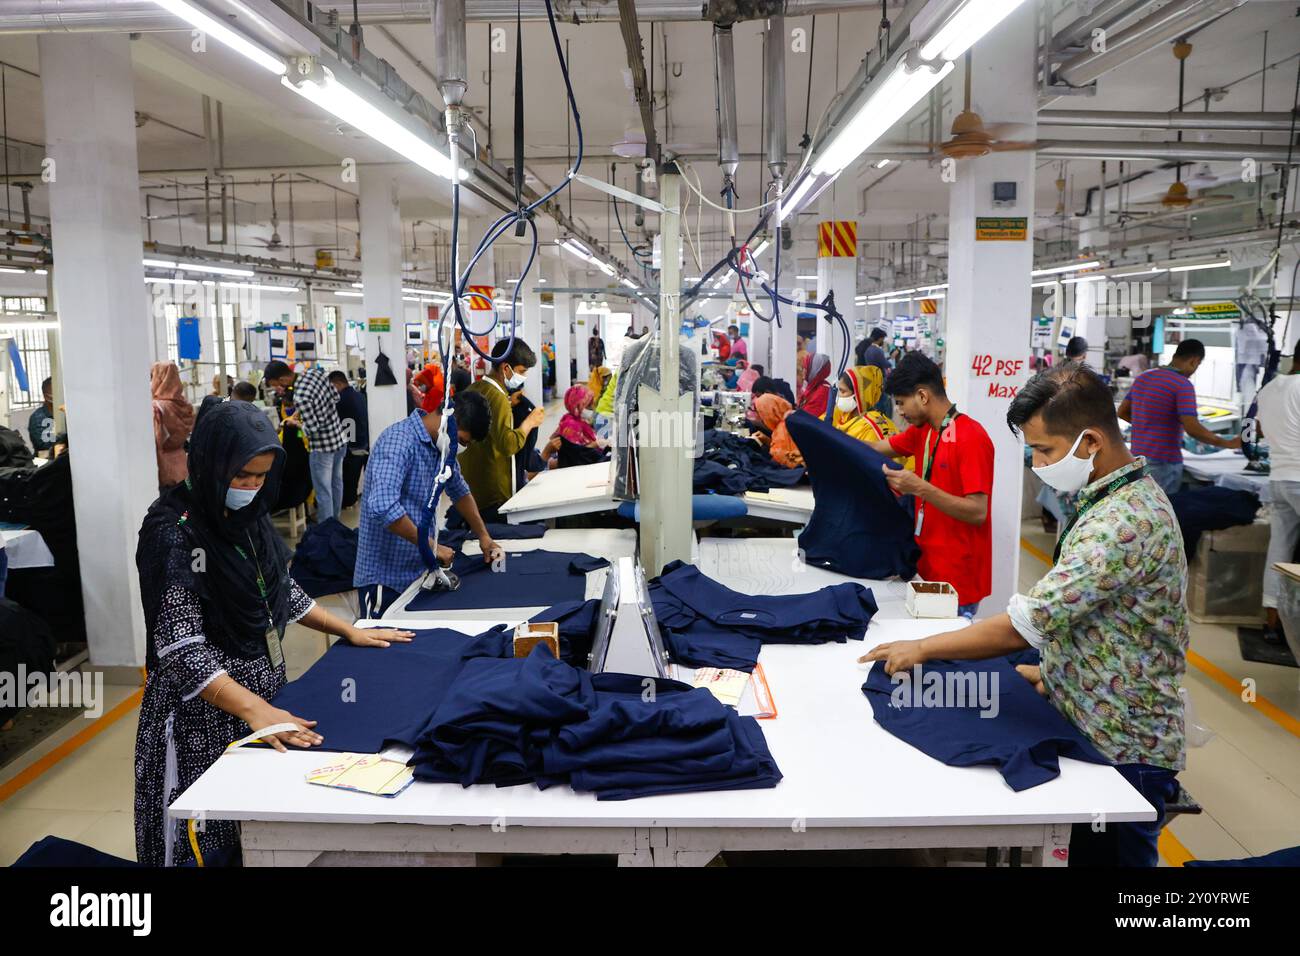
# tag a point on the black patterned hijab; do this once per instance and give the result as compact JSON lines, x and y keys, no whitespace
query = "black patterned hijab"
{"x":190,"y":539}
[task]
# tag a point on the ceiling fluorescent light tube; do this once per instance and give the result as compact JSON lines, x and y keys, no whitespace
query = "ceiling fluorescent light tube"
{"x":886,"y":104}
{"x":965,"y":28}
{"x":214,"y":28}
{"x":326,"y":91}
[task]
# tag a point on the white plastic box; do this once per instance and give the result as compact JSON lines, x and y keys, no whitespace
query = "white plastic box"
{"x":931,"y":599}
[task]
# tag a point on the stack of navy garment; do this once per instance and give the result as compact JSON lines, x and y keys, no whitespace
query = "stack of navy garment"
{"x":706,"y":624}
{"x":365,"y":697}
{"x":511,"y":721}
{"x":1023,"y":735}
{"x":523,"y":579}
{"x":858,"y":526}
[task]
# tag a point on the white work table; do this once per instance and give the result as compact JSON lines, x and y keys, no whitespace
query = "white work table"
{"x":608,"y":543}
{"x":781,"y":504}
{"x":1227,"y":469}
{"x":847,"y":783}
{"x":26,"y":549}
{"x":559,"y":492}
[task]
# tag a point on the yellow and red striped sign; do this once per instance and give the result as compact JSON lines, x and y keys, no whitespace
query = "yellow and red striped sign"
{"x":480,"y":297}
{"x":929,"y":306}
{"x":838,"y":239}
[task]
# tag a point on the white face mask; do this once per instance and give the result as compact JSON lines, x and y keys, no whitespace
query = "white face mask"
{"x":846,"y":403}
{"x":515,"y":380}
{"x":1070,"y":473}
{"x":237,"y":498}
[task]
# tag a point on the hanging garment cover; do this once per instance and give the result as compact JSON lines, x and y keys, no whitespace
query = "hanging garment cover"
{"x":1024,"y":739}
{"x":536,"y":719}
{"x":364,"y":697}
{"x":706,"y":624}
{"x":858,"y":527}
{"x":528,"y":578}
{"x":1211,"y":509}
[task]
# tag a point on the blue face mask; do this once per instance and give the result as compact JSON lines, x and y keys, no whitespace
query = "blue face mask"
{"x":237,"y":498}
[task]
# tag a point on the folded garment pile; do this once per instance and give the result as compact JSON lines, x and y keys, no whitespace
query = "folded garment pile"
{"x":511,"y":721}
{"x":731,"y":465}
{"x":473,"y":713}
{"x":706,"y":624}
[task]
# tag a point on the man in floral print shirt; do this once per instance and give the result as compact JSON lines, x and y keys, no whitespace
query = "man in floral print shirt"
{"x":1109,"y":619}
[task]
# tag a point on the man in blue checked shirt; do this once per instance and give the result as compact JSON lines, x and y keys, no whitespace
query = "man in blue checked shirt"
{"x":404,"y":463}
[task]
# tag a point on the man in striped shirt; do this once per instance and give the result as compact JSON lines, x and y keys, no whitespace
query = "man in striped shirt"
{"x":1161,"y":405}
{"x":315,"y":403}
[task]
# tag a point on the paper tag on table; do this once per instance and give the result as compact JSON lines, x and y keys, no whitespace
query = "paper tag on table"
{"x":773,"y":496}
{"x":726,"y":685}
{"x":365,"y":773}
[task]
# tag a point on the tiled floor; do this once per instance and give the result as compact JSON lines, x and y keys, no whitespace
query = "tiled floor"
{"x":1247,"y":776}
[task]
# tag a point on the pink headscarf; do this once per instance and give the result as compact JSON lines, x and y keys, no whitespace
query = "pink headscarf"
{"x":745,"y":381}
{"x":572,"y":427}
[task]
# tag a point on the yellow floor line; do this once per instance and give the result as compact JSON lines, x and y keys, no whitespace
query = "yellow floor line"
{"x":1172,"y":850}
{"x":1214,"y":672}
{"x":69,"y":746}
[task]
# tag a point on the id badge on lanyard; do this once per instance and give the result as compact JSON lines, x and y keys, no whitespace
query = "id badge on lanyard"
{"x":274,"y":645}
{"x":927,"y":465}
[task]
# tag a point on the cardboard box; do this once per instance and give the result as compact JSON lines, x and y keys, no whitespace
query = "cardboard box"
{"x":931,"y":599}
{"x":528,"y":636}
{"x":1225,"y":579}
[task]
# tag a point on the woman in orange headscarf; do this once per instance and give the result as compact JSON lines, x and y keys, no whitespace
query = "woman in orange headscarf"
{"x":173,"y":420}
{"x":772,"y":410}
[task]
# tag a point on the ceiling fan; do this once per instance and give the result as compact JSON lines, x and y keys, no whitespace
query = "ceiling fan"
{"x":274,"y":242}
{"x":971,"y":138}
{"x":1177,"y":196}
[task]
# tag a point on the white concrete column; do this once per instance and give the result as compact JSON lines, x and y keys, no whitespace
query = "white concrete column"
{"x":381,"y":279}
{"x":837,"y":272}
{"x":563,"y":316}
{"x":989,"y":296}
{"x":88,"y":94}
{"x":529,"y":328}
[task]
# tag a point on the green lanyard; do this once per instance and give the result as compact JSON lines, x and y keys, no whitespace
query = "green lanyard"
{"x":1126,"y":479}
{"x":927,"y":461}
{"x":261,"y":581}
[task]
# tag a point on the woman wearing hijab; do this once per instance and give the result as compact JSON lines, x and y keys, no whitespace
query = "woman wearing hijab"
{"x":217,"y":598}
{"x":772,"y":410}
{"x":815,"y":396}
{"x":575,"y":441}
{"x":173,"y":420}
{"x":746,"y":379}
{"x":855,"y":415}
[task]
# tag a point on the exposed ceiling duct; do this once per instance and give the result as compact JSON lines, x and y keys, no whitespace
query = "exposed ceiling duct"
{"x":1106,"y":15}
{"x":1168,"y":23}
{"x":774,"y":95}
{"x":1198,"y":152}
{"x":1122,"y":119}
{"x":144,"y":16}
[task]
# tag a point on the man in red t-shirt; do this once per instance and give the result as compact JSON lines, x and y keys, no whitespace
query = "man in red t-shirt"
{"x":951,"y":484}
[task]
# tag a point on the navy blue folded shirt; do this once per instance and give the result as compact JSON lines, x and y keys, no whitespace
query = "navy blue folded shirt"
{"x":1025,"y":740}
{"x":706,"y":624}
{"x":858,"y":526}
{"x":528,"y":578}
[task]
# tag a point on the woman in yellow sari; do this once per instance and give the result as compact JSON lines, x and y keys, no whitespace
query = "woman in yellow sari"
{"x":859,"y":390}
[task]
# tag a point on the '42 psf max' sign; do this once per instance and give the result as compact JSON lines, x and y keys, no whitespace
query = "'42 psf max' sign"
{"x":1005,"y":374}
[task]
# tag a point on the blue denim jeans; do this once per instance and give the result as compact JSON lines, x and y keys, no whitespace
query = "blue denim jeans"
{"x":1127,"y":844}
{"x":327,"y":481}
{"x":1168,"y":474}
